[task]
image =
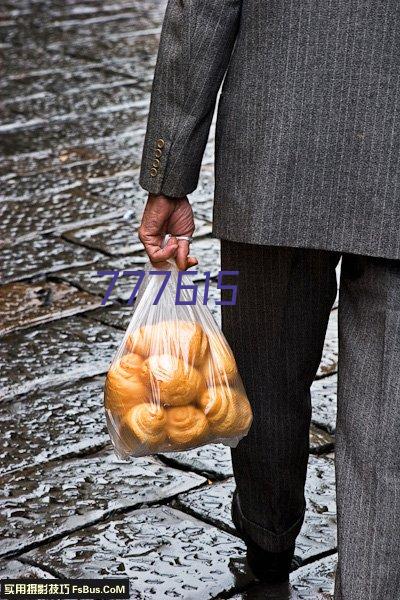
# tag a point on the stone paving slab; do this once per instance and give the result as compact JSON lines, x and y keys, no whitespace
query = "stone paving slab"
{"x":102,"y":25}
{"x":29,"y":60}
{"x":18,"y":222}
{"x":41,"y":256}
{"x":318,"y":535}
{"x":75,"y":130}
{"x":102,"y":156}
{"x":164,"y":552}
{"x":36,"y":185}
{"x":52,"y":423}
{"x":117,"y":315}
{"x":50,"y":500}
{"x":213,"y":460}
{"x":23,"y":305}
{"x":15,"y":569}
{"x":65,"y":350}
{"x":315,"y":581}
{"x":323,"y":396}
{"x":119,"y":237}
{"x":71,"y":103}
{"x":311,"y":582}
{"x":121,"y":188}
{"x":75,"y":75}
{"x":115,"y":44}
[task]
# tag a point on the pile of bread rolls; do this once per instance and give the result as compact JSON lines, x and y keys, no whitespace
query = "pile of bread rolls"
{"x":174,"y":388}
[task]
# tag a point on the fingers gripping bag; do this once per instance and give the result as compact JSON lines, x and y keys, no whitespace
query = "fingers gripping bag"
{"x":173,"y":383}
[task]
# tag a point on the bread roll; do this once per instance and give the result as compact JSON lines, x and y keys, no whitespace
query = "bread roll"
{"x":186,"y":425}
{"x":147,"y":423}
{"x":227,"y":410}
{"x":219,"y":408}
{"x":173,"y":383}
{"x":132,"y":363}
{"x":124,"y":387}
{"x":193,"y":342}
{"x":244,"y":414}
{"x":220,"y":368}
{"x":140,"y":341}
{"x":183,"y":339}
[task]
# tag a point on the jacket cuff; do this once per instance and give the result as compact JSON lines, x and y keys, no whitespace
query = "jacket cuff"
{"x":154,"y":164}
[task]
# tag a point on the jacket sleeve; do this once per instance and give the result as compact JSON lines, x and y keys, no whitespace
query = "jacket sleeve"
{"x":196,"y":43}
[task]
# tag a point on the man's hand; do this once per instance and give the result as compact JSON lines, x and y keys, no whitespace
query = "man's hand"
{"x":164,"y":215}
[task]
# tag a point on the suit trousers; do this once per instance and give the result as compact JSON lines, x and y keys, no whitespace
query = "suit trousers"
{"x":277,"y":331}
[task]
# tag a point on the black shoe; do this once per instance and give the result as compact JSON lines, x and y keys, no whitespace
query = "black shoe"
{"x":269,"y":567}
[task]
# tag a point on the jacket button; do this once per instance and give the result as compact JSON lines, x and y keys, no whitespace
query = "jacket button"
{"x":158,"y":153}
{"x":160,"y":143}
{"x":156,"y":163}
{"x":153,"y":172}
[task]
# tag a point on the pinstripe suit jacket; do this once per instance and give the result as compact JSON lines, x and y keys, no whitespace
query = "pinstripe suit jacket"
{"x":308,"y":129}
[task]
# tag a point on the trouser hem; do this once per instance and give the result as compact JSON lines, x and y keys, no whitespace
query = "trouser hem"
{"x":266,"y":539}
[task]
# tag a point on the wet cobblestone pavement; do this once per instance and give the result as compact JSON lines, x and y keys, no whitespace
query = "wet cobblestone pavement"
{"x":74,"y":98}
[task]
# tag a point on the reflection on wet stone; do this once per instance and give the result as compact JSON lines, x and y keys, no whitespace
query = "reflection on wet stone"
{"x":52,"y":354}
{"x":165,"y":553}
{"x":121,"y":189}
{"x":40,"y":256}
{"x":23,"y":305}
{"x":116,"y":237}
{"x":52,"y":423}
{"x":69,"y":72}
{"x":18,"y":222}
{"x":315,"y":581}
{"x":36,"y":185}
{"x":323,"y":396}
{"x":117,"y":315}
{"x":53,"y":499}
{"x":73,"y":101}
{"x":15,"y":569}
{"x":319,"y":530}
{"x":74,"y":131}
{"x":93,"y":157}
{"x":213,"y":460}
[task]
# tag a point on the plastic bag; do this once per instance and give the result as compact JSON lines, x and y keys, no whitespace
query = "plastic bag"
{"x":173,"y":383}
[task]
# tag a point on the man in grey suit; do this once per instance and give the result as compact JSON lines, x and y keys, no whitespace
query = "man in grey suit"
{"x":307,"y":172}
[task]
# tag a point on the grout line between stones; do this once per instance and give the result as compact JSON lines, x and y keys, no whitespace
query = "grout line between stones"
{"x":107,"y":516}
{"x":38,"y":565}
